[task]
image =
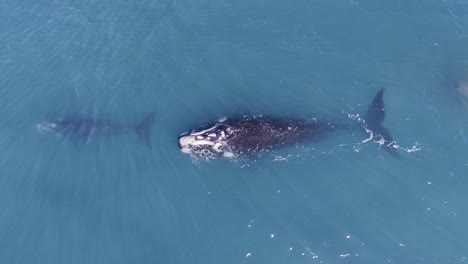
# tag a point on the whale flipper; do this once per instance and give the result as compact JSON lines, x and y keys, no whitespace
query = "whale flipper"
{"x":374,"y":118}
{"x":144,"y":127}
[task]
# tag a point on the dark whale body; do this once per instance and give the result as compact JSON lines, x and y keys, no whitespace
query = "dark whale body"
{"x":83,"y":128}
{"x":268,"y":132}
{"x":254,"y":134}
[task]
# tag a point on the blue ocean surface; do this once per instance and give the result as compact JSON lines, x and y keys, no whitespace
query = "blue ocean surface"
{"x":112,"y":199}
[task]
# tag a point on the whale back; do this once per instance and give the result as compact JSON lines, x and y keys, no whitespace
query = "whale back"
{"x":251,"y":134}
{"x":267,"y":132}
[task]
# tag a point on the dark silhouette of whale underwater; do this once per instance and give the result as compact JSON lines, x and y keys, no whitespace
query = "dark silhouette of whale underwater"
{"x":83,"y":129}
{"x":231,"y":137}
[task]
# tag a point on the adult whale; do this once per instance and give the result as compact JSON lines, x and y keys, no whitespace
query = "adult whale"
{"x":254,"y":134}
{"x":84,"y":128}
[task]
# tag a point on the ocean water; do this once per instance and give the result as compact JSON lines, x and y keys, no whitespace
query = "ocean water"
{"x":340,"y":200}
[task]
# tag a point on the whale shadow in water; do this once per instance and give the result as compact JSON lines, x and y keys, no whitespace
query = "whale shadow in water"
{"x":83,"y":129}
{"x":251,"y":135}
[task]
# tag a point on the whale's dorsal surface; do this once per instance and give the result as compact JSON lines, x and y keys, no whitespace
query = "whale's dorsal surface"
{"x":254,"y":134}
{"x":267,"y":132}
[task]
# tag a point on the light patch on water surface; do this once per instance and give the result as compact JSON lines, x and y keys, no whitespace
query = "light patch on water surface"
{"x":46,"y":126}
{"x":463,"y":89}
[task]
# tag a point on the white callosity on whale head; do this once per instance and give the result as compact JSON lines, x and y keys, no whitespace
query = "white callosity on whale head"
{"x":46,"y":126}
{"x":207,"y":142}
{"x":189,"y":141}
{"x":50,"y":127}
{"x":203,"y":131}
{"x":217,"y":147}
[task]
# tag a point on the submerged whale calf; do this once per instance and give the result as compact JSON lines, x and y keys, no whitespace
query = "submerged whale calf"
{"x":82,"y":128}
{"x":253,"y":134}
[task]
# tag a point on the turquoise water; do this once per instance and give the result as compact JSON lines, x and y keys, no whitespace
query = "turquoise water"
{"x":113,"y":200}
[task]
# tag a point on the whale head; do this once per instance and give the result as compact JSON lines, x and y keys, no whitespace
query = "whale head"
{"x":207,"y":142}
{"x":47,"y":126}
{"x":61,"y":127}
{"x":53,"y":127}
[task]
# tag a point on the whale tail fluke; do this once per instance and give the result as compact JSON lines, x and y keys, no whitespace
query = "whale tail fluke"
{"x":373,"y":124}
{"x":144,"y":127}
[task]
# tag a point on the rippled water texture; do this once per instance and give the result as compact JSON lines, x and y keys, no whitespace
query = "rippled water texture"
{"x":113,"y":198}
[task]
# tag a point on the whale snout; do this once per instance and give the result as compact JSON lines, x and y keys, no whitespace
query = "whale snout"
{"x":208,"y":142}
{"x":191,"y":143}
{"x":186,"y":143}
